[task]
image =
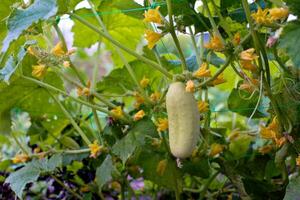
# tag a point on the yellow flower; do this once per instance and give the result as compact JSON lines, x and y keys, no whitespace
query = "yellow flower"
{"x":248,"y":54}
{"x":279,"y":142}
{"x":152,"y":38}
{"x":155,"y":96}
{"x":233,"y":135}
{"x":219,"y":80}
{"x":162,"y":124}
{"x":118,"y":112}
{"x":86,"y":91}
{"x":265,"y":149}
{"x":66,"y":64}
{"x":298,"y":160}
{"x":95,"y":149}
{"x":274,"y":126}
{"x":279,"y":13}
{"x":58,"y":49}
{"x":190,"y":86}
{"x":249,"y":86}
{"x":202,"y":71}
{"x":139,"y":115}
{"x":261,"y":16}
{"x":139,"y":100}
{"x":203,"y":106}
{"x":39,"y":71}
{"x":20,"y":158}
{"x":215,"y":149}
{"x":236,"y":39}
{"x":215,"y":44}
{"x":267,"y":133}
{"x":116,"y":186}
{"x":161,"y":167}
{"x":144,"y":82}
{"x":248,"y":65}
{"x":32,"y":51}
{"x":152,"y":15}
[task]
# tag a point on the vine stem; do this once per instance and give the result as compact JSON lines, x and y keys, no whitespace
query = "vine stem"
{"x":121,"y":46}
{"x":19,"y":144}
{"x":66,"y":187}
{"x":212,"y":21}
{"x":50,"y":87}
{"x":195,"y":45}
{"x":69,"y":116}
{"x":174,"y":36}
{"x":65,"y":48}
{"x":121,"y":55}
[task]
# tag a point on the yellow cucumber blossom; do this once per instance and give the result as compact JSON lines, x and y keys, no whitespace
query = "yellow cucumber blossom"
{"x":248,"y":65}
{"x":139,"y":115}
{"x":162,"y":124}
{"x":66,"y":64}
{"x":152,"y":38}
{"x":39,"y":71}
{"x":236,"y":39}
{"x":139,"y":100}
{"x":216,"y":149}
{"x":161,"y":167}
{"x":298,"y":160}
{"x":203,"y":106}
{"x":58,"y":49}
{"x":20,"y":158}
{"x":279,"y":13}
{"x":152,"y":15}
{"x":219,"y":80}
{"x":202,"y":72}
{"x":261,"y":16}
{"x":190,"y":86}
{"x":144,"y":82}
{"x":118,"y":112}
{"x":265,"y":149}
{"x":248,"y":54}
{"x":95,"y":149}
{"x":215,"y":44}
{"x":155,"y":96}
{"x":86,"y":91}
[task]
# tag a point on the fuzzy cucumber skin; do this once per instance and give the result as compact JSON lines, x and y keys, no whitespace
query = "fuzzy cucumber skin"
{"x":183,"y":117}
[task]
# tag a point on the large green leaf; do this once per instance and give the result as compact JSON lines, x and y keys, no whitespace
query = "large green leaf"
{"x":30,"y":173}
{"x":290,"y":41}
{"x":239,"y":101}
{"x":125,"y":147}
{"x":12,"y":63}
{"x":293,"y":6}
{"x":5,"y":10}
{"x":104,"y":171}
{"x":292,"y":190}
{"x":119,"y":78}
{"x":171,"y":176}
{"x":21,"y":19}
{"x":128,"y":7}
{"x":123,"y":28}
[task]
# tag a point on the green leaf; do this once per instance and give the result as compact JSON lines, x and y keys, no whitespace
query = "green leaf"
{"x":127,"y":7}
{"x":197,"y":167}
{"x":125,"y":29}
{"x":293,"y":6}
{"x":30,"y":173}
{"x":240,"y":146}
{"x":292,"y":190}
{"x":290,"y":42}
{"x":103,"y":173}
{"x":239,"y":102}
{"x":119,"y":78}
{"x":125,"y":147}
{"x":171,"y":177}
{"x":21,"y":19}
{"x":20,"y":178}
{"x":12,"y":64}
